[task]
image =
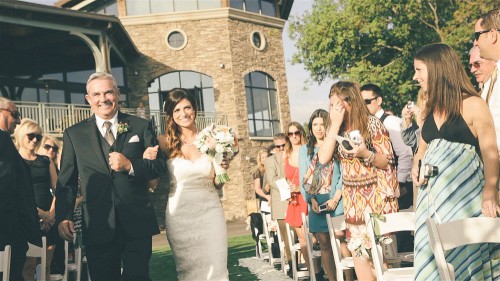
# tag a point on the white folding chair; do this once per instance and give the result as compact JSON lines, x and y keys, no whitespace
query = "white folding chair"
{"x":312,"y":254}
{"x":297,"y":271}
{"x":269,"y":241}
{"x":450,"y":235}
{"x":341,"y":263}
{"x":39,"y":252}
{"x":394,"y":222}
{"x":5,"y":263}
{"x":259,"y":252}
{"x":76,"y":265}
{"x":281,"y":243}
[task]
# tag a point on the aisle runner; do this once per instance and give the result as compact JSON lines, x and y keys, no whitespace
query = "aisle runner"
{"x":262,"y":269}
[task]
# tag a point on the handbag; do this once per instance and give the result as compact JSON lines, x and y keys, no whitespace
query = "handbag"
{"x":317,"y":175}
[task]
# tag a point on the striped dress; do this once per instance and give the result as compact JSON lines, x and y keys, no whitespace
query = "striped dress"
{"x":454,"y":194}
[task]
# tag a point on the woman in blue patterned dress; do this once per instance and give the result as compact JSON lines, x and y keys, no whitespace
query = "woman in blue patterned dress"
{"x":330,"y":191}
{"x":459,"y":139}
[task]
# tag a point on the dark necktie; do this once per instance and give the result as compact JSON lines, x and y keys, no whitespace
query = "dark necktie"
{"x":108,"y":135}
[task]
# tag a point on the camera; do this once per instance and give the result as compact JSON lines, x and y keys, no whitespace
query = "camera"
{"x":410,"y":105}
{"x":355,"y":136}
{"x":426,"y":171}
{"x":323,"y":207}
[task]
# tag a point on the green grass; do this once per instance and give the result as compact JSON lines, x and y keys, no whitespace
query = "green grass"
{"x":162,"y":264}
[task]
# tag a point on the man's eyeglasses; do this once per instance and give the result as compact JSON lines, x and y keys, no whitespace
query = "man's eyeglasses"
{"x":31,"y":136}
{"x":478,"y":33}
{"x":368,"y":101}
{"x":475,"y":64}
{"x":296,"y":133}
{"x":48,"y":146}
{"x":279,"y":146}
{"x":14,"y":114}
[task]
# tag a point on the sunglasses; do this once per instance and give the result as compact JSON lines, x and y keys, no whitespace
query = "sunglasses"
{"x":14,"y":114}
{"x":31,"y":136}
{"x":280,"y":146}
{"x":48,"y":146}
{"x":369,"y":101}
{"x":478,"y":33}
{"x":296,"y":133}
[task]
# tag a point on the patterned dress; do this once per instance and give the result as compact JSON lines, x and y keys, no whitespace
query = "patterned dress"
{"x":454,"y":193}
{"x":366,"y":188}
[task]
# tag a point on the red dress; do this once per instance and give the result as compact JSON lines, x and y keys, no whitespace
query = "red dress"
{"x":299,"y":205}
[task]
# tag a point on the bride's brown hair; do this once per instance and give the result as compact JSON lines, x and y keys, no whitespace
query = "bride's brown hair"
{"x":172,"y":139}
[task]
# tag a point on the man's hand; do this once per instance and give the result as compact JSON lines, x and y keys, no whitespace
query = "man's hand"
{"x":66,"y":230}
{"x":118,"y":162}
{"x":150,"y":153}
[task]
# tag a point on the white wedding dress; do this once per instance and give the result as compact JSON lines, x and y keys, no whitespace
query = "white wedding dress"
{"x":196,"y":228}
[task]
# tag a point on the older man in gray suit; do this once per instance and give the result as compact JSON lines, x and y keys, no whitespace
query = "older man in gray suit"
{"x":275,"y":170}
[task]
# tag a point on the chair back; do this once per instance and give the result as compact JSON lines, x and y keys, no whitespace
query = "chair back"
{"x":450,"y":235}
{"x":39,"y":252}
{"x":5,"y":263}
{"x":310,"y":252}
{"x":335,"y":224}
{"x":394,"y":222}
{"x":76,"y":265}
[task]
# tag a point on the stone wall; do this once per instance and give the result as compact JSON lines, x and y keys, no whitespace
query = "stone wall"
{"x":220,"y":48}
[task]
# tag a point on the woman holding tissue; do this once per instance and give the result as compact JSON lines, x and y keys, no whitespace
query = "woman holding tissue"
{"x":362,"y":144}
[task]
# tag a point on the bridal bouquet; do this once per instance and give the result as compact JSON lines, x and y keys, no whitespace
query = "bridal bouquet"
{"x":217,"y":140}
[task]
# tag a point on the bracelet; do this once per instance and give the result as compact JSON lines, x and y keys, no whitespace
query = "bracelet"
{"x":368,"y":161}
{"x":329,"y":137}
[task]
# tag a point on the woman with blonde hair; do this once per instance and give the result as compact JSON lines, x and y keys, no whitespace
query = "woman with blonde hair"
{"x":49,"y":146}
{"x":261,"y":187}
{"x":44,"y":177}
{"x":369,"y":181}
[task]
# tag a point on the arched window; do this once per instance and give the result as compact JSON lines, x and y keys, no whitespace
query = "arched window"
{"x":262,"y":106}
{"x":200,"y":85}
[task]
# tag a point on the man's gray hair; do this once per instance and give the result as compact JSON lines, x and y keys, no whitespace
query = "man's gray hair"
{"x":103,"y":75}
{"x":4,"y":102}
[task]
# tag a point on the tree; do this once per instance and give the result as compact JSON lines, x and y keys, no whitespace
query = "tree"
{"x":373,"y":41}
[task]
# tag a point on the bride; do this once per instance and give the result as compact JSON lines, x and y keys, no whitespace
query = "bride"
{"x":196,"y":228}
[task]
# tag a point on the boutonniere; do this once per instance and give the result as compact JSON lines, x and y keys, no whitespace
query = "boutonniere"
{"x":122,"y":128}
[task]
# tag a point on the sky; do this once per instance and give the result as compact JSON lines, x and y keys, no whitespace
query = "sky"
{"x":302,"y":101}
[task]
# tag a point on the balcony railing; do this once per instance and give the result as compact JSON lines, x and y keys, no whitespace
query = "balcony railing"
{"x":54,"y":118}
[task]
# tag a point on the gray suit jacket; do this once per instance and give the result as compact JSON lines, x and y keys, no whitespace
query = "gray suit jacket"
{"x":275,"y":170}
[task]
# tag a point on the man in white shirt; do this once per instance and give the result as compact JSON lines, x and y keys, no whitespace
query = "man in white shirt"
{"x":372,"y":94}
{"x":487,"y":39}
{"x":482,"y":69}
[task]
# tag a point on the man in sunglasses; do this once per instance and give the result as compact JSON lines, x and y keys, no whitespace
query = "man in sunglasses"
{"x":482,"y":70}
{"x":487,"y":39}
{"x":18,"y":213}
{"x":275,"y":170}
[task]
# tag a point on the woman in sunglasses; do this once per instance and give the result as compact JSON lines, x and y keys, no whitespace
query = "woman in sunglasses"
{"x":369,"y":181}
{"x":49,"y":147}
{"x":28,"y":136}
{"x":296,"y":204}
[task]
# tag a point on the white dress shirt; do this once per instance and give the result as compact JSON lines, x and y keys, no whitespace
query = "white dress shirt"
{"x":494,"y":104}
{"x":405,"y":155}
{"x":114,"y":124}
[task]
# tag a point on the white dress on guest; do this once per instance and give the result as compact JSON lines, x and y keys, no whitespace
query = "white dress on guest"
{"x":196,"y":228}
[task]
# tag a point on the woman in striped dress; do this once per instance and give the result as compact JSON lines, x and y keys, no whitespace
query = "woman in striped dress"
{"x":459,"y":139}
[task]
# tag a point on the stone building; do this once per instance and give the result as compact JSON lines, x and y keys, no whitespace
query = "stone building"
{"x":229,"y":53}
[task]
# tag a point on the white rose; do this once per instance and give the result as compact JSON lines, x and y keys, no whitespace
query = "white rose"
{"x":219,"y":148}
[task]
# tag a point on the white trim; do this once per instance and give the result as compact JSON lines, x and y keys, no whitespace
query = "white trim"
{"x":179,"y":31}
{"x":263,"y":41}
{"x":222,"y":13}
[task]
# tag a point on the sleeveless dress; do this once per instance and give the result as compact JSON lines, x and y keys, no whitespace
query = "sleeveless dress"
{"x":40,"y":176}
{"x":196,"y":228}
{"x":298,"y":205}
{"x":454,"y":193}
{"x":317,"y":222}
